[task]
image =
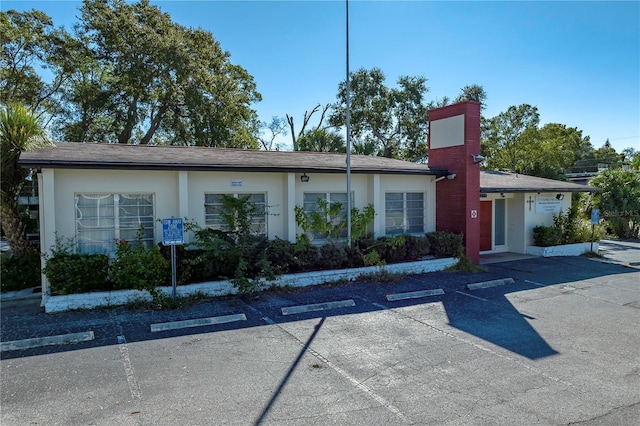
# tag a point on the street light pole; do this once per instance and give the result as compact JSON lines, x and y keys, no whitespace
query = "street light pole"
{"x":348,"y":122}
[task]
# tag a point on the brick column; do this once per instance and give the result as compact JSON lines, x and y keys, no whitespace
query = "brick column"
{"x":454,"y":137}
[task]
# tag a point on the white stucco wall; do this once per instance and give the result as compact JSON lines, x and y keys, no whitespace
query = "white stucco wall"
{"x":533,"y":218}
{"x":181,"y":194}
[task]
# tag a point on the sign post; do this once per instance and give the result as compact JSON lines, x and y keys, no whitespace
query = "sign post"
{"x":595,"y":218}
{"x":172,"y":235}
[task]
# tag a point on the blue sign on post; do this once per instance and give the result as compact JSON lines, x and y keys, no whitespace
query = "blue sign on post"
{"x":595,"y":216}
{"x":172,"y":231}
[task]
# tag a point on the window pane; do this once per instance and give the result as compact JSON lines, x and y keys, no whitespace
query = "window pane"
{"x":404,"y":213}
{"x":98,"y":226}
{"x":214,"y":209}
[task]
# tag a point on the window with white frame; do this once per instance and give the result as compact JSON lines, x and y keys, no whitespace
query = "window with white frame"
{"x":404,"y":213}
{"x":214,"y":206}
{"x":103,"y":219}
{"x":310,"y":204}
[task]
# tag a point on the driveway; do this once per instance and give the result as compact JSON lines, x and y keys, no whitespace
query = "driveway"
{"x":541,"y":341}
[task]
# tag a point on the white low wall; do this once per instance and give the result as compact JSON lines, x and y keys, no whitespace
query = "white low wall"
{"x":563,"y":250}
{"x":223,"y":288}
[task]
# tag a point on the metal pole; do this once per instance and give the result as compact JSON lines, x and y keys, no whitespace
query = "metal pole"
{"x":348,"y":122}
{"x":173,"y":270}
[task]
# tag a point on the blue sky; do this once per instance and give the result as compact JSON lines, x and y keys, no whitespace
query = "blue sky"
{"x":578,"y":62}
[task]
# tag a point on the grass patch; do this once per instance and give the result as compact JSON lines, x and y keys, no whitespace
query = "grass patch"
{"x":593,"y":254}
{"x":465,"y":265}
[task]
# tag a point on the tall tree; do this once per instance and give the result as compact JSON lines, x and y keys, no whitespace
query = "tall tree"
{"x":509,"y":139}
{"x":618,"y":200}
{"x":19,"y":131}
{"x":392,"y":120}
{"x":277,"y":127}
{"x":305,"y":122}
{"x":150,"y":80}
{"x":473,"y":92}
{"x":29,"y":42}
{"x":321,"y":140}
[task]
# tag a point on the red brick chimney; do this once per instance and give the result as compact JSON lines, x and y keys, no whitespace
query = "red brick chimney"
{"x":454,"y":139}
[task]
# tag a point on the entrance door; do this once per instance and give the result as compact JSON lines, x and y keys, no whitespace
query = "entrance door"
{"x":486,"y":221}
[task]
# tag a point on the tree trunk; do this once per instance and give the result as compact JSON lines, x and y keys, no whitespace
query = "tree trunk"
{"x":15,"y":231}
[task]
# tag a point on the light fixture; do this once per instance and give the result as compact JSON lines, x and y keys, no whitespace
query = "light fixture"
{"x":477,"y":158}
{"x":451,"y":176}
{"x":304,"y":178}
{"x":29,"y":177}
{"x":502,"y":194}
{"x":560,"y":197}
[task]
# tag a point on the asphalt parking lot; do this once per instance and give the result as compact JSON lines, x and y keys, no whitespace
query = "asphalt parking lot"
{"x":558,"y":344}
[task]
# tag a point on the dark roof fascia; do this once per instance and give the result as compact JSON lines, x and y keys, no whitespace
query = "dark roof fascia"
{"x":537,"y":189}
{"x":57,"y":164}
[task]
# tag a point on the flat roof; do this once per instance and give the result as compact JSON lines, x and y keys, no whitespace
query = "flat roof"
{"x":71,"y":155}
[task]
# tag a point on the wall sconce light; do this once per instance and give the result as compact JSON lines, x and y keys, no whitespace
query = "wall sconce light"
{"x":477,"y":158}
{"x":451,"y":176}
{"x":304,"y":178}
{"x":29,"y":177}
{"x":560,"y":197}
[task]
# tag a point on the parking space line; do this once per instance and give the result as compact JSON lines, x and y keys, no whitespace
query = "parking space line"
{"x":291,"y":310}
{"x":471,"y":295}
{"x":534,"y":283}
{"x":61,"y":339}
{"x":414,"y":294}
{"x":199,"y":322}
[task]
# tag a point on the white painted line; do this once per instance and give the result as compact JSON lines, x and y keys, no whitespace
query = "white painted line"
{"x":471,"y":295}
{"x":199,"y":322}
{"x":291,"y":310}
{"x":61,"y":339}
{"x":487,"y":284}
{"x":534,"y":283}
{"x":380,"y":305}
{"x":414,"y":294}
{"x":268,"y":320}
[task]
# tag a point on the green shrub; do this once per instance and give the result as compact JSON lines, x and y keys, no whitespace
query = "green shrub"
{"x":546,"y":236}
{"x":138,"y":267}
{"x":18,"y":273}
{"x":395,"y":249}
{"x":69,"y":273}
{"x":281,"y":255}
{"x":416,"y":247}
{"x":333,"y":256}
{"x":445,"y":244}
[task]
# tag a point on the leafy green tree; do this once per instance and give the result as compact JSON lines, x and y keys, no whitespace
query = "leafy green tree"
{"x":19,"y":131}
{"x":30,"y":41}
{"x":322,"y":140}
{"x":556,"y":151}
{"x":392,"y":121}
{"x":607,"y":155}
{"x":473,"y":92}
{"x":141,"y":78}
{"x":618,"y":200}
{"x":508,"y":138}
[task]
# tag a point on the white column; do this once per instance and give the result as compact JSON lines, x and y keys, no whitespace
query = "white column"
{"x":289,"y":213}
{"x":47,"y":213}
{"x":377,"y":199}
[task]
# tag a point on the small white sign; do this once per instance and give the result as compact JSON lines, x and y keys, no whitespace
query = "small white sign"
{"x":548,"y":204}
{"x":474,"y":214}
{"x":236,"y":182}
